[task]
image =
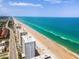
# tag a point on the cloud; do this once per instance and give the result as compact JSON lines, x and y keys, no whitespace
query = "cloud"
{"x":24,"y":4}
{"x":58,"y":1}
{"x":54,"y":1}
{"x":1,"y":1}
{"x":3,"y":9}
{"x":0,"y":6}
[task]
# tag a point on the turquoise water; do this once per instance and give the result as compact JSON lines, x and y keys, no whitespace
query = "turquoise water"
{"x":64,"y":31}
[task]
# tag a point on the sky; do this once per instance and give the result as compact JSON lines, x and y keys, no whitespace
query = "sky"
{"x":40,"y":8}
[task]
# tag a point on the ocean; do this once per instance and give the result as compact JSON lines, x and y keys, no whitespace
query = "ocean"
{"x":62,"y":30}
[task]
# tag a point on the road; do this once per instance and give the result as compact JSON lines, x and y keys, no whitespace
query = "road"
{"x":13,"y":54}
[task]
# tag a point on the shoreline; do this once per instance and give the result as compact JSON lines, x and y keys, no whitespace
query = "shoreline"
{"x":54,"y":47}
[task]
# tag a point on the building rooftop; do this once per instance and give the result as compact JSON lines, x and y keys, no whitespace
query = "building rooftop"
{"x":44,"y":56}
{"x":28,"y":38}
{"x":3,"y":42}
{"x":22,"y":32}
{"x":4,"y":33}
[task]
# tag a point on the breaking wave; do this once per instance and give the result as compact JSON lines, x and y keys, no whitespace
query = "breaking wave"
{"x":53,"y":33}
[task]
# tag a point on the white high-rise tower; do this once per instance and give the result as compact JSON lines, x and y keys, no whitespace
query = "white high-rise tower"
{"x":29,"y":46}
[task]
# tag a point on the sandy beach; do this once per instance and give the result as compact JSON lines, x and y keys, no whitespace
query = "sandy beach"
{"x":55,"y":48}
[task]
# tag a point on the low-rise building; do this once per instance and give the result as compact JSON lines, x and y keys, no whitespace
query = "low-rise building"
{"x":44,"y":56}
{"x":4,"y":33}
{"x":1,"y":48}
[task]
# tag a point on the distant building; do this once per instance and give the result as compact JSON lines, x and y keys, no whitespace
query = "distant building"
{"x":19,"y":36}
{"x":29,"y":45}
{"x":1,"y":48}
{"x":4,"y":33}
{"x":20,"y":33}
{"x":2,"y":43}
